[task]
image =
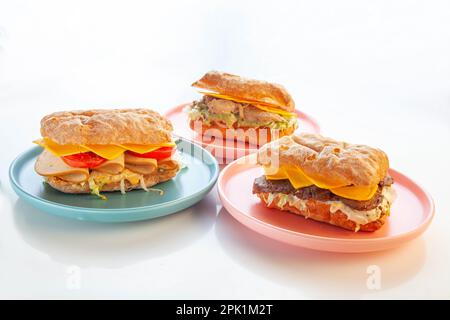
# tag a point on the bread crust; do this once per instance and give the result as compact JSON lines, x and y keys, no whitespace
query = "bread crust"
{"x":249,"y":135}
{"x":323,"y":159}
{"x":116,"y":126}
{"x":77,"y":188}
{"x":320,"y":211}
{"x":247,"y":89}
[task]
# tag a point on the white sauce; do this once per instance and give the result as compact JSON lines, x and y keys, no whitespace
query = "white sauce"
{"x":358,"y":216}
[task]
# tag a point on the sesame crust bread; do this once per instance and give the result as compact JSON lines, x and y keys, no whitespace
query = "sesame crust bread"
{"x":250,"y":135}
{"x":247,"y":89}
{"x":320,"y":211}
{"x":104,"y":127}
{"x":324,"y":159}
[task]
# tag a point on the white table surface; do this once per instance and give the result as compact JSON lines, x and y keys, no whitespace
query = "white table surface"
{"x":375,"y":72}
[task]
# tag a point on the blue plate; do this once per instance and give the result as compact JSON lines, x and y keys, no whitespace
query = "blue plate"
{"x":190,"y":185}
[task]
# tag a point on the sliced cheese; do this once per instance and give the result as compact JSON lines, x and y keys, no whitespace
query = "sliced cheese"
{"x":324,"y":184}
{"x":258,"y":104}
{"x":299,"y":179}
{"x":296,"y":177}
{"x":49,"y":165}
{"x":273,"y":173}
{"x":58,"y":149}
{"x":114,"y":166}
{"x":356,"y":192}
{"x":273,"y":110}
{"x":109,"y":152}
{"x":141,"y":148}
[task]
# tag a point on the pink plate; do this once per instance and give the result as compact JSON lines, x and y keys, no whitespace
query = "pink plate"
{"x":226,"y":149}
{"x":411,"y":213}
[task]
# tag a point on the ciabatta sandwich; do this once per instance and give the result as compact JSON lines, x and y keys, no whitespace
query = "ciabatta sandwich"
{"x":343,"y":184}
{"x":106,"y":150}
{"x":242,"y":109}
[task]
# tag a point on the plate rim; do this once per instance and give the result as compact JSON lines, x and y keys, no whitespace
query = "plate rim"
{"x":181,"y":106}
{"x":236,"y":213}
{"x":107,"y":211}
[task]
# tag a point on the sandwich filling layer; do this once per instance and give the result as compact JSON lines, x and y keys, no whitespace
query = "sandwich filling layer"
{"x":109,"y":152}
{"x":360,"y":212}
{"x":231,"y":114}
{"x":126,"y":170}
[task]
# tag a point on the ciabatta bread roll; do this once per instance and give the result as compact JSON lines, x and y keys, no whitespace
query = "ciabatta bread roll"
{"x":241,"y":104}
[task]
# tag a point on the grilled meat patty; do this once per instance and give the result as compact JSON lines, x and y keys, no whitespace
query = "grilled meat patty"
{"x":262,"y":185}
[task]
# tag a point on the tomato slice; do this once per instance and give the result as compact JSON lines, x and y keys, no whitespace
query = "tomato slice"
{"x":84,"y":160}
{"x":158,"y":154}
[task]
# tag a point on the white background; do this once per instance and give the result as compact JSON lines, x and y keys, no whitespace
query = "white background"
{"x":375,"y":72}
